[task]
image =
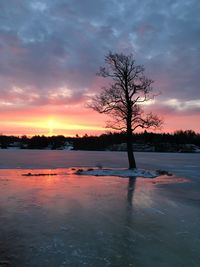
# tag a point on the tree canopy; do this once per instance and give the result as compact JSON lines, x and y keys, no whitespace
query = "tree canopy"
{"x":128,"y":89}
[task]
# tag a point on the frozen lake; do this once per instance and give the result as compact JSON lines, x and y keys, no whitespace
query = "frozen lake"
{"x":179,"y":163}
{"x":70,"y":220}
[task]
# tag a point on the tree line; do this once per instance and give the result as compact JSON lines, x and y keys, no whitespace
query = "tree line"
{"x":102,"y":142}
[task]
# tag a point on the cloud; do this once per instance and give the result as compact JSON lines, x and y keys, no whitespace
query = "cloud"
{"x":176,"y":107}
{"x":51,"y":47}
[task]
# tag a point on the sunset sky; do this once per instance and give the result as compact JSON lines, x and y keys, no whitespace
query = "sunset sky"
{"x":50,"y":51}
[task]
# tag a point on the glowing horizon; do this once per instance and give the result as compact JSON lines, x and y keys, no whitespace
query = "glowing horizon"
{"x":70,"y":120}
{"x":93,"y":124}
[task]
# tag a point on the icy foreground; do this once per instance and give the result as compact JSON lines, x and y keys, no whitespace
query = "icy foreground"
{"x":52,"y":217}
{"x":65,"y":219}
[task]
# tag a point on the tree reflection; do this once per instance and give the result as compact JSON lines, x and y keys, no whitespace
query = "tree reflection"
{"x":131,"y":188}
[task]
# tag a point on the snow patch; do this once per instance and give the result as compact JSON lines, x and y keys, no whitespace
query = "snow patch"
{"x":119,"y":172}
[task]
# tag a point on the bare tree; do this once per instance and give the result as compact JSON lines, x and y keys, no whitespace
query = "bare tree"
{"x":123,"y":99}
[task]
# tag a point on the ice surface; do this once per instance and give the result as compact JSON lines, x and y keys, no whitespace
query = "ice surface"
{"x":70,"y":220}
{"x":182,"y":164}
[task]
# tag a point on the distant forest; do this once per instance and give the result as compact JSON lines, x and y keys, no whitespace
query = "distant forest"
{"x":161,"y":142}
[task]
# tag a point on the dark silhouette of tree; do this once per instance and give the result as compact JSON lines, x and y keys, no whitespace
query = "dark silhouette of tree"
{"x":122,"y":100}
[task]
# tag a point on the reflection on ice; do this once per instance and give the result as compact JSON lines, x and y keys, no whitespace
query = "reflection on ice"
{"x":70,"y":220}
{"x":131,"y":188}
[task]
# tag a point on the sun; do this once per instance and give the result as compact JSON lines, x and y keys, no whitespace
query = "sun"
{"x":51,"y":124}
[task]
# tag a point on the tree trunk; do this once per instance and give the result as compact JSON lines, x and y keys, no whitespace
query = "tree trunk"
{"x":131,"y":158}
{"x":129,"y":131}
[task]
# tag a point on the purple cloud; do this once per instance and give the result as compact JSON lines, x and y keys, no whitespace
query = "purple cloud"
{"x":49,"y":45}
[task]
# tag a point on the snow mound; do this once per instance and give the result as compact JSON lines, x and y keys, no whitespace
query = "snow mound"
{"x":118,"y":172}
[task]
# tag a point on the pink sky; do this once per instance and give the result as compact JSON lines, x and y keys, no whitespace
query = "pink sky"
{"x":69,"y":121}
{"x":51,"y":50}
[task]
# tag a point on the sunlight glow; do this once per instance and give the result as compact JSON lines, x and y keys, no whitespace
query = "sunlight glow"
{"x":51,"y":126}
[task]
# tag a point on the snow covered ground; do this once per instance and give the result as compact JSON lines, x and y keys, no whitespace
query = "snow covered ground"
{"x":118,"y":172}
{"x":53,"y":217}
